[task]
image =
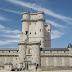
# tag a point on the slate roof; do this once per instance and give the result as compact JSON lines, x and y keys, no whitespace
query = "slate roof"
{"x":9,"y":49}
{"x":69,"y":45}
{"x":54,"y":49}
{"x":41,"y":49}
{"x":8,"y":63}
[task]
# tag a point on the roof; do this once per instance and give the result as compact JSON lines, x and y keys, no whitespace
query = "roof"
{"x":42,"y":49}
{"x":69,"y":45}
{"x":54,"y":49}
{"x":8,"y":63}
{"x":32,"y":63}
{"x":9,"y":49}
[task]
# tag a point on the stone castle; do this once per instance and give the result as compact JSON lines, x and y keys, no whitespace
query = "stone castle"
{"x":35,"y":49}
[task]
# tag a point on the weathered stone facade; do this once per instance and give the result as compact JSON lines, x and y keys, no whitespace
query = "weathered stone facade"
{"x":35,"y":46}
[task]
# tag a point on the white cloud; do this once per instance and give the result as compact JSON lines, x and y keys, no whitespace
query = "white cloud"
{"x":11,"y":36}
{"x":1,"y":26}
{"x":12,"y":11}
{"x":39,"y":8}
{"x":56,"y":34}
{"x":3,"y":42}
{"x":14,"y":35}
{"x":55,"y":24}
{"x":3,"y":18}
{"x":7,"y":30}
{"x":10,"y":31}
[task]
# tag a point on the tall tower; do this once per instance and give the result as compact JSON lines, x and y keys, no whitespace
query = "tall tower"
{"x":36,"y":27}
{"x":47,"y":35}
{"x":32,"y":38}
{"x":22,"y":54}
{"x":24,"y":39}
{"x":25,"y":26}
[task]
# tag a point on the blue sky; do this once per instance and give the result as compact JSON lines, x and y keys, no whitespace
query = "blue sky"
{"x":58,"y":13}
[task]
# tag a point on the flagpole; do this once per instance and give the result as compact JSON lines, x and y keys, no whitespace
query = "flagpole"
{"x":31,"y":10}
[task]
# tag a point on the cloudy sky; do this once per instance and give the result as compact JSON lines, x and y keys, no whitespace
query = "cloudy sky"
{"x":58,"y":13}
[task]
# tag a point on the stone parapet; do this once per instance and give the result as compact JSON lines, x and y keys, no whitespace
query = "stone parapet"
{"x":30,"y":20}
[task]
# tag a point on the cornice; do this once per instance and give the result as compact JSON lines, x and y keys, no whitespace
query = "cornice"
{"x":22,"y":20}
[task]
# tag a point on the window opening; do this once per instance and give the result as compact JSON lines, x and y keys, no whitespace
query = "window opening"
{"x":30,"y":32}
{"x":29,"y":51}
{"x":40,"y":30}
{"x":35,"y":32}
{"x":26,"y":32}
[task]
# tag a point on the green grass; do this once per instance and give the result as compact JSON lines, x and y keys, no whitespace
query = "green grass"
{"x":54,"y":69}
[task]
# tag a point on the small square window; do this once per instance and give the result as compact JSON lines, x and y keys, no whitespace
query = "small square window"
{"x":40,"y":30}
{"x":26,"y":32}
{"x":30,"y":32}
{"x":43,"y":51}
{"x":50,"y":51}
{"x":16,"y":58}
{"x":64,"y":51}
{"x":30,"y":23}
{"x":35,"y":32}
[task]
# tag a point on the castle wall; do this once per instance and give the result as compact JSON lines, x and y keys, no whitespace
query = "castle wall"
{"x":50,"y":59}
{"x":47,"y":35}
{"x":9,"y":56}
{"x":33,"y":53}
{"x":56,"y":59}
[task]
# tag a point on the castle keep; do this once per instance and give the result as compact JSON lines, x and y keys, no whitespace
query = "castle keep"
{"x":35,"y":47}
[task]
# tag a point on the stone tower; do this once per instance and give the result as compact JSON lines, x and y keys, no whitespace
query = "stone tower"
{"x":35,"y":35}
{"x":25,"y":26}
{"x":22,"y":53}
{"x":31,"y":37}
{"x":36,"y":27}
{"x":33,"y":27}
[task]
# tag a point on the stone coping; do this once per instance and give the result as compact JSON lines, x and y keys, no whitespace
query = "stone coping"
{"x":32,"y":20}
{"x":27,"y":12}
{"x":29,"y":43}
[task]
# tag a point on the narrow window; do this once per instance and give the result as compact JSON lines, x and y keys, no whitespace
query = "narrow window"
{"x":2,"y":51}
{"x":37,"y":64}
{"x":24,"y":58}
{"x":50,"y":51}
{"x":40,"y":30}
{"x":16,"y":58}
{"x":35,"y":32}
{"x":64,"y":51}
{"x":43,"y":51}
{"x":40,"y":42}
{"x":48,"y":29}
{"x":26,"y":32}
{"x":57,"y":51}
{"x":29,"y":51}
{"x":30,"y":32}
{"x":30,"y":23}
